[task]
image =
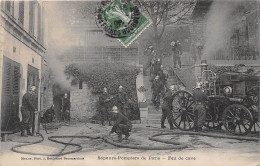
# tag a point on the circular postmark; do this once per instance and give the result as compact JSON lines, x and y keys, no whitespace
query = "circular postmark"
{"x":117,"y":18}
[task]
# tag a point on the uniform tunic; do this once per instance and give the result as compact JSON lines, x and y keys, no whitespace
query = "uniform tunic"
{"x":104,"y":107}
{"x":27,"y":110}
{"x":157,"y":89}
{"x":199,"y":99}
{"x":167,"y":109}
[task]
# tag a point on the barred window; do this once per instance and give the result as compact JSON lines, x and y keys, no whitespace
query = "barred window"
{"x":21,"y":12}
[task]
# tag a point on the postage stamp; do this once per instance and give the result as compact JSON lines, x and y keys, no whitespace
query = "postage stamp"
{"x":121,"y":19}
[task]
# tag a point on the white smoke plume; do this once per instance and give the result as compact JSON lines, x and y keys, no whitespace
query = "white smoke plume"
{"x":59,"y":38}
{"x":218,"y":27}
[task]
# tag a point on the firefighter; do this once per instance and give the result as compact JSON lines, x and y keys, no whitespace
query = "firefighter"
{"x":122,"y":125}
{"x":104,"y":100}
{"x":167,"y":107}
{"x":28,"y":109}
{"x":157,"y":90}
{"x":150,"y":53}
{"x":122,"y":100}
{"x":162,"y":76}
{"x":199,"y":109}
{"x":177,"y":52}
{"x":65,"y":111}
{"x":156,"y":66}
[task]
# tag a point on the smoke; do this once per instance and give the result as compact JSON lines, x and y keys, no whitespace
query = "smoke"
{"x":218,"y":27}
{"x":59,"y":39}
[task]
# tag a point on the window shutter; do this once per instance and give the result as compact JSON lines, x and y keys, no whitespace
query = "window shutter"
{"x":8,"y":6}
{"x":16,"y":78}
{"x":39,"y":22}
{"x":31,"y":17}
{"x":21,"y":12}
{"x":7,"y":78}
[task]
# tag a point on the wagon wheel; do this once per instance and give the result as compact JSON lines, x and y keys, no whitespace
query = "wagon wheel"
{"x":183,"y":116}
{"x":237,"y":119}
{"x":256,"y":125}
{"x":213,"y":121}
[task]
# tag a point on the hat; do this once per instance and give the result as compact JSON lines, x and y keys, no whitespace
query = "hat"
{"x":157,"y":77}
{"x":203,"y":63}
{"x":172,"y":87}
{"x":172,"y":43}
{"x":120,"y":87}
{"x":150,"y":47}
{"x":33,"y":88}
{"x":115,"y":109}
{"x":198,"y":85}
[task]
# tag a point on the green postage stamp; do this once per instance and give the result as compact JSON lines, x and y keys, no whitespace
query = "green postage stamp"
{"x":121,"y":19}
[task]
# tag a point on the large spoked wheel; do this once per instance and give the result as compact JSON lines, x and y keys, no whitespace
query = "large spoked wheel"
{"x":237,"y":119}
{"x":183,"y":116}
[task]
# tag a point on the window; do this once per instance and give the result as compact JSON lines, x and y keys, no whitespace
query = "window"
{"x":31,"y":17}
{"x":10,"y":7}
{"x":21,"y":13}
{"x":39,"y":22}
{"x":80,"y":84}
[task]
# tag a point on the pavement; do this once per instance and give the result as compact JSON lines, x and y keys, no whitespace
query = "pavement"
{"x":201,"y":151}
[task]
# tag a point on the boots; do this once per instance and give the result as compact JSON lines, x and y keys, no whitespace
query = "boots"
{"x":127,"y":136}
{"x":23,"y":133}
{"x":162,"y":123}
{"x":29,"y":132}
{"x":119,"y":138}
{"x":171,"y":127}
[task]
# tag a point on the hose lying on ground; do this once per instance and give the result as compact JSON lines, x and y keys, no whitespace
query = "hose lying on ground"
{"x":174,"y":144}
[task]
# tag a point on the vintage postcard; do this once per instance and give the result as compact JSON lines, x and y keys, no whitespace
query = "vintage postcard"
{"x":130,"y":82}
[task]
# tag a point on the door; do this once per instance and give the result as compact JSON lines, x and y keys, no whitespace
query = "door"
{"x":10,"y":95}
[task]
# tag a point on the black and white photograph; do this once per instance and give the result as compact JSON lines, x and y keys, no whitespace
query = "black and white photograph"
{"x":130,"y":82}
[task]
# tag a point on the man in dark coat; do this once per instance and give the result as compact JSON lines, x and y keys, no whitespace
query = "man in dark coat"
{"x":199,"y":110}
{"x":177,"y":52}
{"x":150,"y":53}
{"x":156,"y":67}
{"x":162,"y":76}
{"x":104,"y":100}
{"x":167,"y":107}
{"x":122,"y":125}
{"x":28,"y":109}
{"x":66,"y":107}
{"x":122,"y":100}
{"x":157,"y":90}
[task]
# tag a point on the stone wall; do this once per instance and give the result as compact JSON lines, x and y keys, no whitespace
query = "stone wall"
{"x":82,"y":102}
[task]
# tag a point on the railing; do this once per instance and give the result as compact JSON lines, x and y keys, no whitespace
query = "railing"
{"x":98,"y":54}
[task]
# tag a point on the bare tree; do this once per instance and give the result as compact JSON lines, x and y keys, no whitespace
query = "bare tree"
{"x":166,"y":12}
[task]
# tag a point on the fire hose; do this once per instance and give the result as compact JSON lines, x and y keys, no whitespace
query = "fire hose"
{"x":173,"y":144}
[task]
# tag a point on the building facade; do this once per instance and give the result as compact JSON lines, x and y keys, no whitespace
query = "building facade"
{"x":22,"y":50}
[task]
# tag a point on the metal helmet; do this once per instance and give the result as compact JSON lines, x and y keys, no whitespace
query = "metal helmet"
{"x":157,"y":77}
{"x":120,"y":87}
{"x":115,"y":109}
{"x":172,"y":87}
{"x":158,"y":60}
{"x":33,"y":88}
{"x":105,"y":89}
{"x":198,"y":85}
{"x":150,"y":47}
{"x":172,"y":43}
